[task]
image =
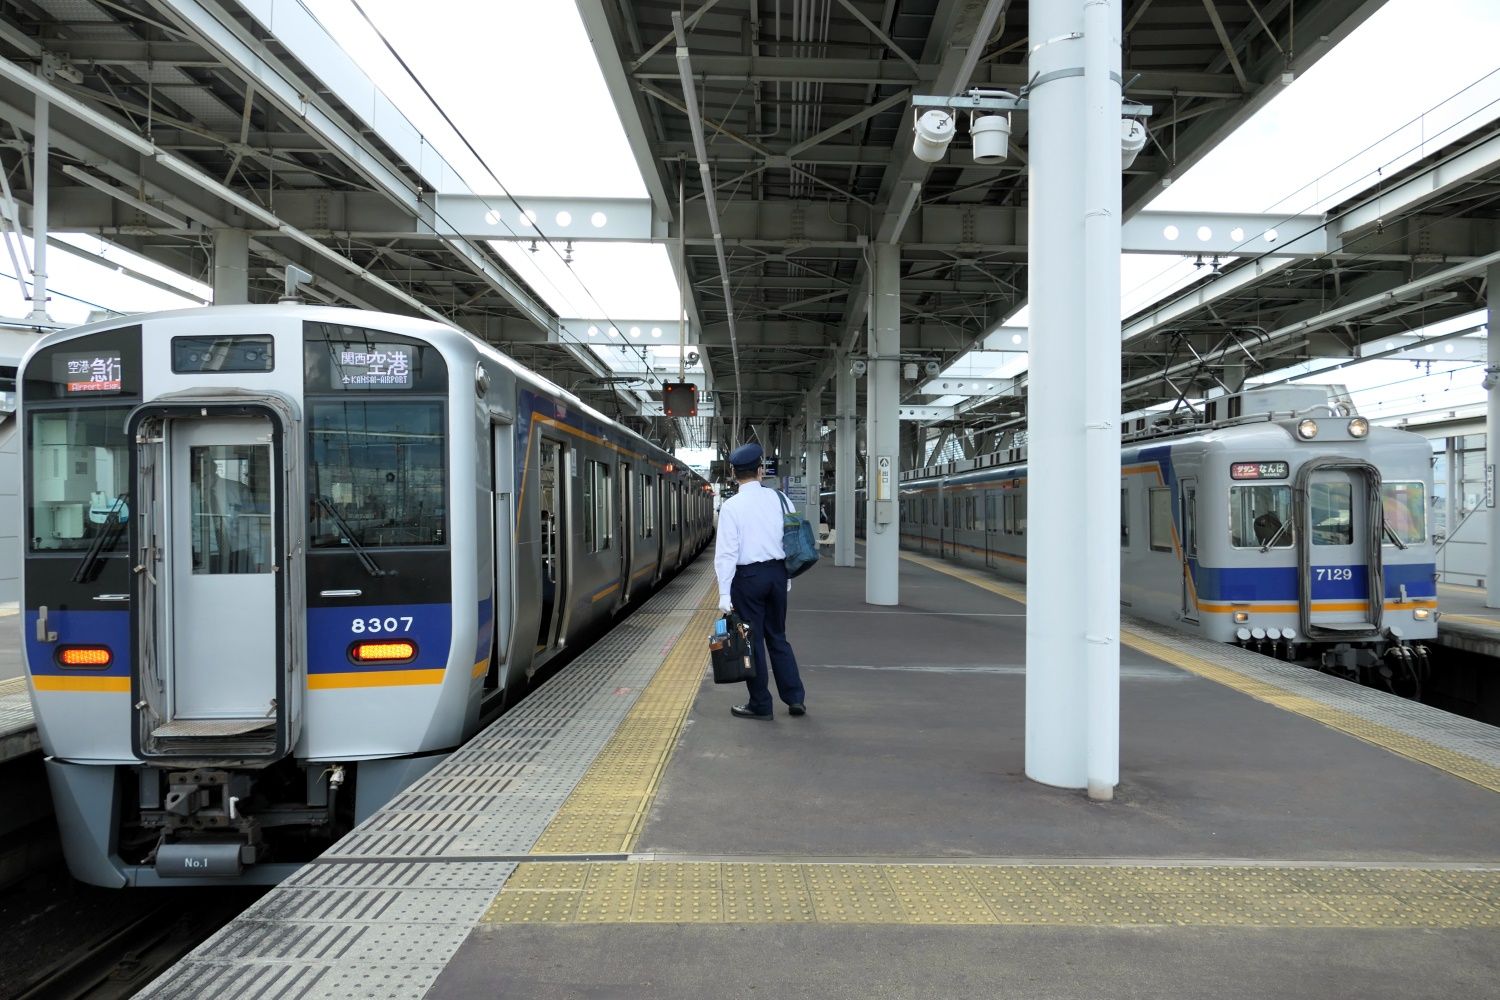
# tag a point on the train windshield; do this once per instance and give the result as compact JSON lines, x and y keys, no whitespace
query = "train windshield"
{"x":80,"y":472}
{"x":1405,"y":506}
{"x":1332,"y":506}
{"x":379,"y":466}
{"x":1256,"y":516}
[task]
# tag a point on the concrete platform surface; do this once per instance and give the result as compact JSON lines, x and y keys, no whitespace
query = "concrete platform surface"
{"x":1277,"y":833}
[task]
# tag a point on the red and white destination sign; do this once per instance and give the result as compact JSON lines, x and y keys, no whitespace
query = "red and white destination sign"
{"x":1259,"y":470}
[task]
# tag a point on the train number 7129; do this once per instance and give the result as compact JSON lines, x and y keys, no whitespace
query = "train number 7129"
{"x":360,"y":626}
{"x":1332,"y":573}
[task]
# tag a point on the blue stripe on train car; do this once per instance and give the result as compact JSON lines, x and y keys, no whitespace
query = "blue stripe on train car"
{"x":1335,"y":582}
{"x":79,"y":628}
{"x":331,"y":631}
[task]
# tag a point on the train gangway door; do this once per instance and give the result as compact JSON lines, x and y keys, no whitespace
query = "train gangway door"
{"x":1189,"y":523}
{"x":218,"y":661}
{"x":1341,"y":588}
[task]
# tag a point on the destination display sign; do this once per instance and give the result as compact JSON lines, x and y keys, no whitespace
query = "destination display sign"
{"x":1259,"y":470}
{"x":373,"y":366}
{"x":99,"y":373}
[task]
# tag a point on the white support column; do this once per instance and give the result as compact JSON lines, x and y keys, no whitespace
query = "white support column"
{"x":812,"y":456}
{"x":883,"y":428}
{"x":40,"y":147}
{"x":844,"y":463}
{"x":1073,"y":660}
{"x":231,"y":267}
{"x":1491,"y":439}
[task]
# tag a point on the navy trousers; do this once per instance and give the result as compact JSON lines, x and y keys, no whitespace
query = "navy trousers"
{"x":759,"y":595}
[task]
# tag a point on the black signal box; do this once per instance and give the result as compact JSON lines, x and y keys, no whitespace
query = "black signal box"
{"x":679,"y":399}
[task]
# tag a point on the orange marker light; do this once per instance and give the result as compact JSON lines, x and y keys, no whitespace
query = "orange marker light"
{"x":84,"y":656}
{"x":397,"y":651}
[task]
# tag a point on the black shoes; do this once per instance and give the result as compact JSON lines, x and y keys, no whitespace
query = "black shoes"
{"x":797,"y":709}
{"x":744,"y":712}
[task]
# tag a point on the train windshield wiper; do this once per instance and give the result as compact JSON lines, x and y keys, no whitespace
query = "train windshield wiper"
{"x":1276,"y":537}
{"x":1391,"y":534}
{"x":104,"y":540}
{"x":365,"y":559}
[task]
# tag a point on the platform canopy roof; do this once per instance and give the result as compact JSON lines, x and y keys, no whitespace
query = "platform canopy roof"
{"x":177,"y":117}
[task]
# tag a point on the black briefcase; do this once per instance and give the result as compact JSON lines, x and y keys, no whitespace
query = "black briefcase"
{"x":729,"y":648}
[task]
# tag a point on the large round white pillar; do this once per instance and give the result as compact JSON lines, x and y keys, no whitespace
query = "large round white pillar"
{"x":1073,"y":469}
{"x":883,"y":428}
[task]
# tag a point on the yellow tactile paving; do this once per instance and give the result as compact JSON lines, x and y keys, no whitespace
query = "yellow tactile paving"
{"x":1455,"y":763}
{"x":1189,"y":895}
{"x":605,"y":812}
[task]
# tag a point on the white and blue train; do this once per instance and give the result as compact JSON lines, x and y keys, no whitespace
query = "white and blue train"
{"x":279,"y":560}
{"x":1275,"y":521}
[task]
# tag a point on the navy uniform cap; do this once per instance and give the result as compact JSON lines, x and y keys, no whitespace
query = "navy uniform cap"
{"x":746,"y":456}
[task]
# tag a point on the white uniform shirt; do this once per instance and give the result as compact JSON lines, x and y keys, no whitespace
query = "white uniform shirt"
{"x":750,"y":528}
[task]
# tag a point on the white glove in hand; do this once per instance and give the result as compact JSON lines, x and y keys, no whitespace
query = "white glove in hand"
{"x":789,"y":586}
{"x":724,"y":605}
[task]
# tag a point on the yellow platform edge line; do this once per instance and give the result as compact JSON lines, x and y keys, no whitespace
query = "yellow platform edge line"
{"x":636,"y":892}
{"x":608,"y":808}
{"x":1456,"y":763}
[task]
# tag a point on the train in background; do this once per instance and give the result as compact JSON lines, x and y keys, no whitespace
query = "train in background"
{"x":1276,"y":521}
{"x":280,"y":560}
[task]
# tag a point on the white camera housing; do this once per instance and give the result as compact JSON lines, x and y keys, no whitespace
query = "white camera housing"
{"x":991,"y":136}
{"x":934,"y":131}
{"x":1132,"y":141}
{"x":858,"y":367}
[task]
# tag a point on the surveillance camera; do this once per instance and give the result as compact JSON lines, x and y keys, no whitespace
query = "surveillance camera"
{"x":858,"y":368}
{"x":692,"y":357}
{"x":991,"y":137}
{"x":934,"y":132}
{"x":932,"y":368}
{"x":1132,"y":141}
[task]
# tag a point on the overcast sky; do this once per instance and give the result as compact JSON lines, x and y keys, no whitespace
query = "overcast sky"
{"x":519,"y":79}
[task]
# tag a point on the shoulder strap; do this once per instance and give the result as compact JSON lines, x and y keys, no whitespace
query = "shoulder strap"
{"x":786,"y":505}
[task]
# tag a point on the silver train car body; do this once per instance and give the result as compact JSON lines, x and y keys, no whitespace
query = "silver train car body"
{"x":1310,"y":545}
{"x":280,"y":560}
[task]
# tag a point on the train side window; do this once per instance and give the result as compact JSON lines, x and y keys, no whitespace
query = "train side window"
{"x":1160,"y":506}
{"x":1405,"y":507}
{"x":648,"y":501}
{"x":598,"y":507}
{"x":1124,"y":517}
{"x":1009,"y":513}
{"x":1021,"y":513}
{"x":1256,"y":516}
{"x":989,"y":512}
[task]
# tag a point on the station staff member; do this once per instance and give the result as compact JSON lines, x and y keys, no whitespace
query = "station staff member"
{"x":751,"y":566}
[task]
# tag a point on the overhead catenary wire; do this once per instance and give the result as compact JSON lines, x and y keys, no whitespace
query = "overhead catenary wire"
{"x":539,"y":234}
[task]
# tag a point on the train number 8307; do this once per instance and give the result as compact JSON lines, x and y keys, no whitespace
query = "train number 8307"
{"x":362,"y":626}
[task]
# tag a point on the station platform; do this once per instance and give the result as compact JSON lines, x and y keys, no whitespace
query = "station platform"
{"x":1465,"y":623}
{"x":1277,"y":832}
{"x":18,"y":734}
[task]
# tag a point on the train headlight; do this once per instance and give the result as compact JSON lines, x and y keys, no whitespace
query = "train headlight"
{"x":1359,"y":427}
{"x":1422,"y":614}
{"x":1241,"y":617}
{"x":95,"y":657}
{"x":387,"y":651}
{"x":1307,"y":429}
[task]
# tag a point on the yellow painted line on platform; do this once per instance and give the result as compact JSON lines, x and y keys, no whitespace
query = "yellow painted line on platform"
{"x":604,"y":814}
{"x":636,"y":892}
{"x":1458,"y":764}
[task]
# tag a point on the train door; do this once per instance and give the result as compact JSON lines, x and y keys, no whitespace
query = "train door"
{"x":1188,"y":498}
{"x":221,"y":528}
{"x":626,"y":533}
{"x":502,"y":521}
{"x":1340,"y":582}
{"x":553,"y":513}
